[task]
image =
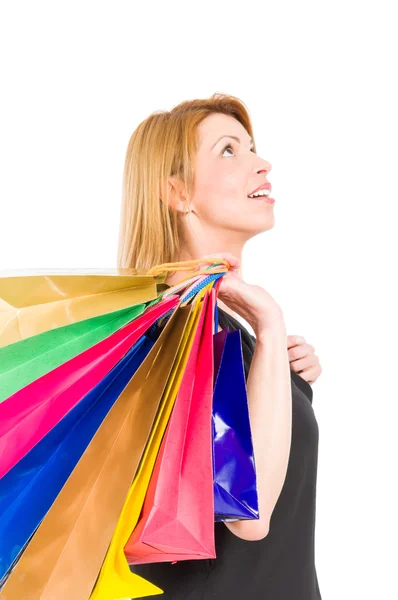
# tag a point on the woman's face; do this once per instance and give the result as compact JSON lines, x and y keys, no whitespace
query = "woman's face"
{"x":226,"y":172}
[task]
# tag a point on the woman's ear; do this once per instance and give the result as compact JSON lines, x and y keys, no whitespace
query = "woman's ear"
{"x":177,"y":194}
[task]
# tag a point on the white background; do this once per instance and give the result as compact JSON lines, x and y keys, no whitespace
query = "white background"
{"x":320,"y":82}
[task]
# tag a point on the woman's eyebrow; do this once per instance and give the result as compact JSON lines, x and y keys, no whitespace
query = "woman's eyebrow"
{"x":234,"y":137}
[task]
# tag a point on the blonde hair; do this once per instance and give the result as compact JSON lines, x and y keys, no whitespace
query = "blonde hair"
{"x":163,"y":145}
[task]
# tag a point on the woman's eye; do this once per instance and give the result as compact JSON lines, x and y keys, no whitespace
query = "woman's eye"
{"x":226,"y":148}
{"x":230,"y":146}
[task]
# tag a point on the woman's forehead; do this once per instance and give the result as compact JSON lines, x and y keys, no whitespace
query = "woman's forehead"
{"x":216,"y":126}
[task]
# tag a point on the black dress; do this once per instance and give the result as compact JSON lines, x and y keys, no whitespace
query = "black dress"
{"x":280,"y":566}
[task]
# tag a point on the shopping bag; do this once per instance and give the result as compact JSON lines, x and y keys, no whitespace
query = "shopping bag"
{"x":181,"y":486}
{"x":65,"y":554}
{"x":116,"y":579}
{"x":33,"y":303}
{"x":24,"y":361}
{"x":42,"y":473}
{"x":235,"y":482}
{"x":27,"y":415}
{"x":144,"y":588}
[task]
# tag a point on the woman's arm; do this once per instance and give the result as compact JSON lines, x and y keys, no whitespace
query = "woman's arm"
{"x":300,"y":382}
{"x":269,"y":391}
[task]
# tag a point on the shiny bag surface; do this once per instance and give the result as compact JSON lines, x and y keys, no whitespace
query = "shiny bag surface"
{"x":235,"y":482}
{"x":29,"y":414}
{"x":42,"y":473}
{"x":181,"y":486}
{"x":87,"y":472}
{"x":116,"y":579}
{"x":64,"y":556}
{"x":26,"y":360}
{"x":35,"y":302}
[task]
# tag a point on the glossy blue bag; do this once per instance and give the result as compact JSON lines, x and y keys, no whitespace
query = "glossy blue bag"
{"x":42,"y":473}
{"x":235,"y":482}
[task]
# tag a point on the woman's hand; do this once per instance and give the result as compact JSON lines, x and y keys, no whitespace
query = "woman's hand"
{"x":302,"y":358}
{"x":252,"y":302}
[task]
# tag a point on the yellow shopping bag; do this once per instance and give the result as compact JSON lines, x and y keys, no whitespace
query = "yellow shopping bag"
{"x":34,"y":303}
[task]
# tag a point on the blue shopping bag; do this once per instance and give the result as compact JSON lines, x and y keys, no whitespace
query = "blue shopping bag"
{"x":235,"y":482}
{"x":29,"y":489}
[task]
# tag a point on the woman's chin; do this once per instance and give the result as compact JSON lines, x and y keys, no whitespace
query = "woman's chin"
{"x":262,"y":224}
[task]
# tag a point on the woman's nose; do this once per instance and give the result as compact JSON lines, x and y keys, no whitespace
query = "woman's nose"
{"x":265,"y":167}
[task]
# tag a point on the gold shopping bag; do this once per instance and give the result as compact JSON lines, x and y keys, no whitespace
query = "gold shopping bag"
{"x":33,"y":303}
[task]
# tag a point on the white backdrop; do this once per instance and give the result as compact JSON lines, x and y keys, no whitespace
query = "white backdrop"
{"x":320,"y":82}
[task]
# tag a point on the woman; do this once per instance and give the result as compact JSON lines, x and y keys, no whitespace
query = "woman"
{"x":188,"y":182}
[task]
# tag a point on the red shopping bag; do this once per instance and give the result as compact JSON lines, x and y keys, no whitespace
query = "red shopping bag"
{"x":177,"y":519}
